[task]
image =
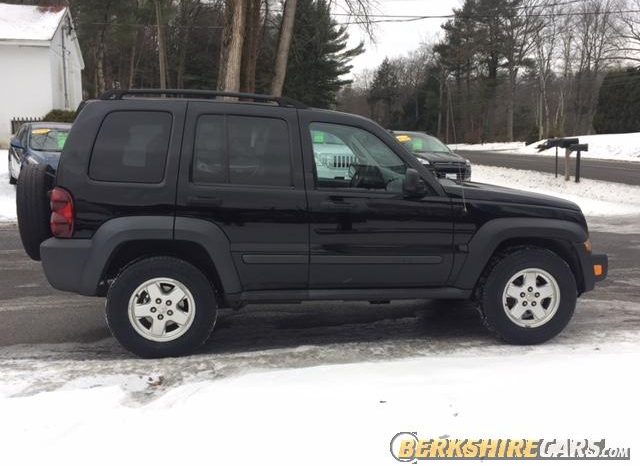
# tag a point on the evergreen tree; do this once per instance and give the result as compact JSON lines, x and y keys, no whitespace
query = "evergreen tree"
{"x":319,"y":56}
{"x":384,"y":94}
{"x":618,"y":108}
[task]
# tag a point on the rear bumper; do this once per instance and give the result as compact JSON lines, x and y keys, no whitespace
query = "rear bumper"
{"x":64,"y":262}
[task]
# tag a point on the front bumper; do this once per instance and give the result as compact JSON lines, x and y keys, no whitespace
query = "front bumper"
{"x":456,"y":171}
{"x":595,"y":268}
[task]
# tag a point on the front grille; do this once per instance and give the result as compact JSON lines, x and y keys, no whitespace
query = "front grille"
{"x":342,"y":161}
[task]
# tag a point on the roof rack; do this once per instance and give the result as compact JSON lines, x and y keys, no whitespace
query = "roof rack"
{"x":118,"y":94}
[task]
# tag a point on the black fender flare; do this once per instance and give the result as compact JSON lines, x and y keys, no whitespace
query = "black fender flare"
{"x":211,"y":237}
{"x":116,"y":232}
{"x":490,"y":235}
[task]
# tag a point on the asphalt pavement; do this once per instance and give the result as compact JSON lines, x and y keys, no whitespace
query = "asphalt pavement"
{"x":595,"y":169}
{"x":34,"y":313}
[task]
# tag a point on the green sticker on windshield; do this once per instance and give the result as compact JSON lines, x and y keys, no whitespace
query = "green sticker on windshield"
{"x":417,"y":144}
{"x":62,"y":138}
{"x":318,"y":137}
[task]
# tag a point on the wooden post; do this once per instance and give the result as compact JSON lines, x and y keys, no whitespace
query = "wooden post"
{"x":567,"y":157}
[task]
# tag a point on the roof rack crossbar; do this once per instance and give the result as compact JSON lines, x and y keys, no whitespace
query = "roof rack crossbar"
{"x":118,"y":94}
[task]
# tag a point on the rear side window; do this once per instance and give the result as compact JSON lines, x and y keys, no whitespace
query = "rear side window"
{"x":131,"y":146}
{"x":242,"y":150}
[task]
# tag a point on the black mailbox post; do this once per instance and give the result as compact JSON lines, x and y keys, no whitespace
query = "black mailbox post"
{"x":578,"y":149}
{"x":564,"y":143}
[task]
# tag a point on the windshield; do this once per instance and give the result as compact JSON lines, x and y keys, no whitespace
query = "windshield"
{"x":48,"y":139}
{"x":422,"y":143}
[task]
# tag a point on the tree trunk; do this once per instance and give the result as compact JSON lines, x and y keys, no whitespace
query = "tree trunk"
{"x":282,"y":55}
{"x":162,"y":53}
{"x":511,"y":102}
{"x":250,"y":50}
{"x":232,"y":44}
{"x":100,"y":81}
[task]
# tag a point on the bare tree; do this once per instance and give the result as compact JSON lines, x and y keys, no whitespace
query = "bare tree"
{"x":162,"y":48}
{"x":253,"y":32}
{"x":545,"y":42}
{"x":232,"y":44}
{"x":284,"y":43}
{"x":596,"y":45}
{"x":521,"y":26}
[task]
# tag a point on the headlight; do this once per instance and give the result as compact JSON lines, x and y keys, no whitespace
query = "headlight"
{"x":426,"y":163}
{"x":467,"y":163}
{"x":33,"y":160}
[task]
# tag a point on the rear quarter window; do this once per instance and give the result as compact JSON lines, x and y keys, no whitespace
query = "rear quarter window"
{"x":131,"y":146}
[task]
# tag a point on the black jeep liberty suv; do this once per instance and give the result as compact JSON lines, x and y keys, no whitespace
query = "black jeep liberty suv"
{"x":175,"y":203}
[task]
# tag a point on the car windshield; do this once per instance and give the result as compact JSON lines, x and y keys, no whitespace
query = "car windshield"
{"x":422,"y":143}
{"x":48,"y":139}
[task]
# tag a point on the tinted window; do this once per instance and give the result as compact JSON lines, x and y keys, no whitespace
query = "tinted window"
{"x":209,"y":159}
{"x":355,"y":159}
{"x":131,"y":147}
{"x":252,"y":151}
{"x":259,"y":151}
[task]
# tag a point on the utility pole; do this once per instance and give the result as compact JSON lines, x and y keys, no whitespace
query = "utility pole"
{"x":66,"y":28}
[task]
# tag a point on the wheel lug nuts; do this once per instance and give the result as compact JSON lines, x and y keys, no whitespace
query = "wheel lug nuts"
{"x":522,"y":295}
{"x":537,"y":295}
{"x":533,"y":303}
{"x":168,"y":302}
{"x":160,"y":317}
{"x":524,"y":303}
{"x":158,"y":301}
{"x":153,"y":309}
{"x":530,"y":289}
{"x":170,"y":312}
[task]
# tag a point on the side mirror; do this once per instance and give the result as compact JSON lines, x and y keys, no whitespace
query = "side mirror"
{"x":413,"y":184}
{"x":16,"y":144}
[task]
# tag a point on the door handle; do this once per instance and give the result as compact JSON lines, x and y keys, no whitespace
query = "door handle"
{"x":210,"y":201}
{"x":335,"y":206}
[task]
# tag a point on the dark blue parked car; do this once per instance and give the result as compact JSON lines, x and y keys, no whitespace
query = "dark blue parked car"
{"x":36,"y":143}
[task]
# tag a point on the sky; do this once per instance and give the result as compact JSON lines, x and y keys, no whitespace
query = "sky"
{"x":399,"y":38}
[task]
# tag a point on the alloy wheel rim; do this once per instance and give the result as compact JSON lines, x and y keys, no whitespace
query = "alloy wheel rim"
{"x":161,"y":309}
{"x":531,"y":298}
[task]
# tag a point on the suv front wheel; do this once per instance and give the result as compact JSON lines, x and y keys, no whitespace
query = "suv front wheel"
{"x":161,"y":307}
{"x":528,"y":296}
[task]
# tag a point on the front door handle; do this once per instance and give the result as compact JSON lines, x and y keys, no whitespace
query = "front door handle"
{"x":335,"y":206}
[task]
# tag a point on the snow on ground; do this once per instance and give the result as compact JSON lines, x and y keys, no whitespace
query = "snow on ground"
{"x":7,"y":192}
{"x":316,"y":415}
{"x":490,"y":146}
{"x":601,"y":146}
{"x":595,"y":198}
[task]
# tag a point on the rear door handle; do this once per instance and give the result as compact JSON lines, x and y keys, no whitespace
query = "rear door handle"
{"x":211,"y":201}
{"x":335,"y":206}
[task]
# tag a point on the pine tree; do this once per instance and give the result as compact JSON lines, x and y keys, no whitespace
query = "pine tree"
{"x":319,"y":57}
{"x":618,"y":108}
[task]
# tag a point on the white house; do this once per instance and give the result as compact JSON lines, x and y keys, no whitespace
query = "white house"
{"x":40,"y":63}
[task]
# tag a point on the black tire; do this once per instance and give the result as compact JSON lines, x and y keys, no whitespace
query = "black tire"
{"x":32,"y":202}
{"x":137,"y":273}
{"x":12,"y":180}
{"x":492,"y":285}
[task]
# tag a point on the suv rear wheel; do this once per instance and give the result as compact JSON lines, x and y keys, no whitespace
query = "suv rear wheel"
{"x":161,"y":307}
{"x":528,"y":296}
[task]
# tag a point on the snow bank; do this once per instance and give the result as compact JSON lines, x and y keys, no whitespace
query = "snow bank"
{"x":601,"y":146}
{"x":7,"y":192}
{"x":595,"y":198}
{"x":343,"y":414}
{"x":490,"y":146}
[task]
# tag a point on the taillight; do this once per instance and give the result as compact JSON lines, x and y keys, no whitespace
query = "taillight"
{"x":62,"y":213}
